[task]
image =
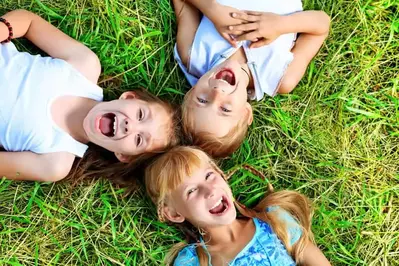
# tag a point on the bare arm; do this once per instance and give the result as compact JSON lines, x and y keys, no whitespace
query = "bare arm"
{"x":188,"y":18}
{"x":52,"y":41}
{"x":35,"y":167}
{"x":202,"y":5}
{"x":220,"y":15}
{"x":314,"y":27}
{"x":312,"y":256}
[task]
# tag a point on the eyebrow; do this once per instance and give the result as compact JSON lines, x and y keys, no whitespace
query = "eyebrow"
{"x":148,"y":138}
{"x":149,"y":113}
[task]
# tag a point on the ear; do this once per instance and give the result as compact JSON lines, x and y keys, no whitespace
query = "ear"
{"x":128,"y":95}
{"x":122,"y":157}
{"x":172,"y":215}
{"x":250,"y":115}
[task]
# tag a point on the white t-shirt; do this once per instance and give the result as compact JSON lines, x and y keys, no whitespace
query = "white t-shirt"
{"x":267,"y":63}
{"x":28,"y":86}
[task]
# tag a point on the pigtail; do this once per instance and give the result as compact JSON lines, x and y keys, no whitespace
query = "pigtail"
{"x":299,"y":207}
{"x":296,"y":204}
{"x":168,"y":171}
{"x":192,"y":238}
{"x":174,"y":251}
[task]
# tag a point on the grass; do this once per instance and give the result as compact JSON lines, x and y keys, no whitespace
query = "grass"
{"x":334,"y":139}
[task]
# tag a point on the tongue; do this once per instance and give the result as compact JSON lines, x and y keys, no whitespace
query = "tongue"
{"x":217,"y":209}
{"x":226,"y":75}
{"x":106,"y":125}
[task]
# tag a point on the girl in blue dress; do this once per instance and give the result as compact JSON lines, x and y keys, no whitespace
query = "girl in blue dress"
{"x":190,"y":191}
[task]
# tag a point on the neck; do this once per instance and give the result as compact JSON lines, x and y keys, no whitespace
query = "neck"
{"x":222,"y":235}
{"x":75,"y":117}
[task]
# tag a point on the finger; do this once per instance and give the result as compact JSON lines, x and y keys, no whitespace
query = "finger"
{"x":243,"y":27}
{"x":229,"y":39}
{"x":260,"y":43}
{"x":235,"y":33}
{"x":248,"y":36}
{"x":253,"y":13}
{"x":245,"y":16}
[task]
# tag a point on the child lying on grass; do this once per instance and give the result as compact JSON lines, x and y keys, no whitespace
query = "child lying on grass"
{"x":191,"y":191}
{"x":230,"y":56}
{"x":51,"y":108}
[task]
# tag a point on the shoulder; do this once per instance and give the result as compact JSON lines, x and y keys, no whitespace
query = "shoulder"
{"x":187,"y":256}
{"x":87,"y":63}
{"x":293,"y":228}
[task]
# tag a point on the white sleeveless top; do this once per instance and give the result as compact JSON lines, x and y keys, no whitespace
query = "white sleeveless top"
{"x":267,"y":63}
{"x":28,"y":86}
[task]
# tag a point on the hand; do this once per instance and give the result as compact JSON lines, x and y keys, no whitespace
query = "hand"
{"x":3,"y":32}
{"x":221,"y":17}
{"x":260,"y":27}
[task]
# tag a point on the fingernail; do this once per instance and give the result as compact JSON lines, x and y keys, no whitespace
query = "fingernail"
{"x":233,"y":15}
{"x":230,"y":27}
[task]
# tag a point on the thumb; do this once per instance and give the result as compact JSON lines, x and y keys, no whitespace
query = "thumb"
{"x":259,"y":43}
{"x":230,"y":40}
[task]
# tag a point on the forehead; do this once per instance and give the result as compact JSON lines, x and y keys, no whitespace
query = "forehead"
{"x":187,"y":165}
{"x":159,"y":126}
{"x":191,"y":174}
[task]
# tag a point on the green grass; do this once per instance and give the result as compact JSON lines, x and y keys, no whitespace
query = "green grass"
{"x":334,"y":139}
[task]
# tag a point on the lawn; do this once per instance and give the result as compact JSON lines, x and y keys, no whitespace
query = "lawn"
{"x":334,"y":139}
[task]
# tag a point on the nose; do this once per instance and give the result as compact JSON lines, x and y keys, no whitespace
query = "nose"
{"x":209,"y":191}
{"x":218,"y":93}
{"x":127,"y":126}
{"x":217,"y":86}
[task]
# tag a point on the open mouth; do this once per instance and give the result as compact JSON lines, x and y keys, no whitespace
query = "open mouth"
{"x":227,"y":76}
{"x":220,"y":207}
{"x":108,"y":125}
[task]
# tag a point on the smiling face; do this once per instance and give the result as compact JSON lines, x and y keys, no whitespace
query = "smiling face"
{"x":128,"y":126}
{"x":219,"y":98}
{"x":204,"y":199}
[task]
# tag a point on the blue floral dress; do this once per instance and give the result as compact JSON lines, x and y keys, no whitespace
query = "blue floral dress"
{"x":264,"y":249}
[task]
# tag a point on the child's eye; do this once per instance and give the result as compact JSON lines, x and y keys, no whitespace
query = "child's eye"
{"x":202,"y":100}
{"x":225,"y":110}
{"x":208,"y":175}
{"x":140,"y":115}
{"x":191,"y":191}
{"x":139,"y":140}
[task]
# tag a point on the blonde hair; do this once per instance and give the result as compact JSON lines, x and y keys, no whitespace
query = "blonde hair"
{"x":217,"y":147}
{"x":166,"y":173}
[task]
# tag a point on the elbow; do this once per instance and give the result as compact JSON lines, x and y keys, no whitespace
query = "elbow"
{"x":287,"y":84}
{"x":92,"y":63}
{"x":56,"y":172}
{"x":325,"y":20}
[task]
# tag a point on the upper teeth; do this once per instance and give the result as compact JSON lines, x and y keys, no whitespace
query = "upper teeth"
{"x":224,"y":81}
{"x":114,"y":126}
{"x":217,"y":203}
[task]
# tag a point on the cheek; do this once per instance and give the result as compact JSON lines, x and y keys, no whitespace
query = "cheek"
{"x":193,"y":209}
{"x":129,"y":147}
{"x":128,"y":109}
